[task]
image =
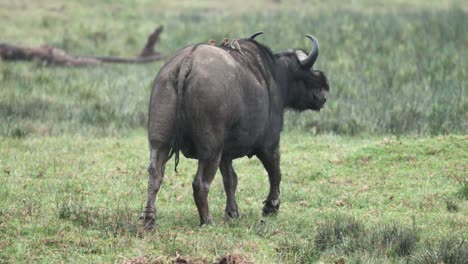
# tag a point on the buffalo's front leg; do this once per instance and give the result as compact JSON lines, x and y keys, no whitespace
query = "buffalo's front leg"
{"x":230,"y":186}
{"x":201,"y":186}
{"x":270,"y":159}
{"x":158,"y":158}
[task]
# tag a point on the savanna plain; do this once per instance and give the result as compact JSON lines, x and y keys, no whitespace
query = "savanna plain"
{"x":378,"y":176}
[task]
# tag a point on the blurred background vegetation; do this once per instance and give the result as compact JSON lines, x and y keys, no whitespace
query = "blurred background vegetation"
{"x":394,"y":66}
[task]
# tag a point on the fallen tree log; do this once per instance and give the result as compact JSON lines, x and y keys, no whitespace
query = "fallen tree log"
{"x":49,"y":55}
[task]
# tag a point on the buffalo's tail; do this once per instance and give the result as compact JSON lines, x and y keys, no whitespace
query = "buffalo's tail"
{"x":184,"y":70}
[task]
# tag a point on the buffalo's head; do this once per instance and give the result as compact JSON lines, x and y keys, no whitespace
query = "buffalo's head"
{"x":306,"y":88}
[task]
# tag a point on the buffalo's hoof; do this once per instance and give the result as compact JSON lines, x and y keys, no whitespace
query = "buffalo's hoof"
{"x":270,"y":207}
{"x":231,"y":214}
{"x":207,"y":222}
{"x":231,"y":211}
{"x":148,"y":219}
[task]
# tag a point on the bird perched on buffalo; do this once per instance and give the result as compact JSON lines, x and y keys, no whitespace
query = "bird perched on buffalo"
{"x":212,"y":42}
{"x":225,"y":43}
{"x":235,"y":45}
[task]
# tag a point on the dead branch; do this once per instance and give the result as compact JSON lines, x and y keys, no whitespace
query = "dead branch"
{"x":148,"y":50}
{"x":49,"y":55}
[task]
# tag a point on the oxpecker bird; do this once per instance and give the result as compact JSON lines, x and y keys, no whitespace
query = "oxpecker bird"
{"x":225,"y":42}
{"x":235,"y":45}
{"x":212,"y":42}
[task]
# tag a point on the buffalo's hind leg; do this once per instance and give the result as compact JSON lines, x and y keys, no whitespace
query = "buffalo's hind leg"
{"x":158,"y":159}
{"x":230,"y":186}
{"x":206,"y":171}
{"x":270,"y":159}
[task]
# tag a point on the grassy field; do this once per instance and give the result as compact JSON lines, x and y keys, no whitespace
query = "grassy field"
{"x":378,"y":176}
{"x":371,"y":200}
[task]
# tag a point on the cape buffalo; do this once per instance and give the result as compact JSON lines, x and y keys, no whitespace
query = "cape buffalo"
{"x":216,"y":104}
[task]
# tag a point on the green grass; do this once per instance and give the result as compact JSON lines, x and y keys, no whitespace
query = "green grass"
{"x":358,"y":199}
{"x":378,"y":176}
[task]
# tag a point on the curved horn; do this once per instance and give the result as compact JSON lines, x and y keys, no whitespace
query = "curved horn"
{"x":254,"y":35}
{"x":312,"y":57}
